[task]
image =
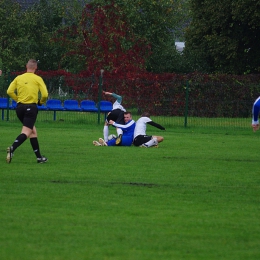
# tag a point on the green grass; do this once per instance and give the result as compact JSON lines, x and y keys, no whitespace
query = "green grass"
{"x":167,"y":121}
{"x":195,"y":197}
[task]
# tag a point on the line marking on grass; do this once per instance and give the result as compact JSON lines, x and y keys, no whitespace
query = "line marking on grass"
{"x":149,"y":185}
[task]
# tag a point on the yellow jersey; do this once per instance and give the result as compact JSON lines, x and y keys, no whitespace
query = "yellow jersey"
{"x":25,"y":89}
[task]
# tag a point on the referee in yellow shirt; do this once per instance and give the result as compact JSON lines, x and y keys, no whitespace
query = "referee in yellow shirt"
{"x":24,"y":89}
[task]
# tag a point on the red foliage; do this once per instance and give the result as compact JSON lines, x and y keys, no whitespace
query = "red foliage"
{"x":108,"y":42}
{"x":165,"y":94}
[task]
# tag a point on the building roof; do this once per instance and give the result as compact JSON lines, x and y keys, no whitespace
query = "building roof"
{"x":180,"y":46}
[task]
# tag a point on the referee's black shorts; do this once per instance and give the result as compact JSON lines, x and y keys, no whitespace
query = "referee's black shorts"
{"x":27,"y":114}
{"x":141,"y":139}
{"x":117,"y":115}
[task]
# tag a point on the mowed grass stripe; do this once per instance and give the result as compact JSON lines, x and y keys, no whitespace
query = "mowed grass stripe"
{"x":195,"y":197}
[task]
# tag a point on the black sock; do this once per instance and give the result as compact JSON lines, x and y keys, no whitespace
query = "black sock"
{"x":35,"y":146}
{"x":19,"y":140}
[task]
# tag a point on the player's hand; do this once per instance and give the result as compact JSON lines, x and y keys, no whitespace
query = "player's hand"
{"x":255,"y":127}
{"x":39,"y":103}
{"x":111,"y":122}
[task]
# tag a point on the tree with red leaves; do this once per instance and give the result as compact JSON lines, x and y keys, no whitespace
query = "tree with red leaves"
{"x":108,"y":42}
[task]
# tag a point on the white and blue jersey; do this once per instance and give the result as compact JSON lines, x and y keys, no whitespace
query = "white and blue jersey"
{"x":255,"y":111}
{"x":117,"y":103}
{"x":128,"y":134}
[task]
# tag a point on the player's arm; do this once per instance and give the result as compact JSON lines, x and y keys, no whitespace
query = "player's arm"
{"x":44,"y":92}
{"x":114,"y":95}
{"x":107,"y":93}
{"x":118,"y":98}
{"x":156,"y":125}
{"x":124,"y":126}
{"x":11,"y":90}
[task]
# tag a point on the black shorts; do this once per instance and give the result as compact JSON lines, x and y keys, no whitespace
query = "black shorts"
{"x":142,"y":139}
{"x":117,"y":116}
{"x":27,"y":114}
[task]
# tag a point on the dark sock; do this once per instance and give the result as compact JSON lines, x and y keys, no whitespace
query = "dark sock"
{"x":35,"y":146}
{"x":19,"y":140}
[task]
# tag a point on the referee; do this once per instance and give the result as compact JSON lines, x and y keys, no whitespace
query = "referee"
{"x":24,"y":89}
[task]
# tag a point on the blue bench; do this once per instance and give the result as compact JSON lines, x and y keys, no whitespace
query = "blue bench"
{"x":69,"y":105}
{"x":88,"y":106}
{"x":14,"y":105}
{"x":3,"y":105}
{"x":54,"y":105}
{"x":105,"y":106}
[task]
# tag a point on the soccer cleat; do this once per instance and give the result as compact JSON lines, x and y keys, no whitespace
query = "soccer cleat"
{"x":102,"y":142}
{"x":118,"y":140}
{"x":42,"y":160}
{"x":145,"y":146}
{"x":9,"y":155}
{"x":255,"y":127}
{"x":96,"y":143}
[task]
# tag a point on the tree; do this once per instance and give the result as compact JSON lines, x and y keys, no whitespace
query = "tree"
{"x":27,"y":33}
{"x":50,"y":17}
{"x":53,"y":32}
{"x":104,"y":40}
{"x":14,"y":36}
{"x":224,"y":36}
{"x":160,"y":23}
{"x":157,"y":23}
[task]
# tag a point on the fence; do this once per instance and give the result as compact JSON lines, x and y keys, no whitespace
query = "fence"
{"x":192,"y":100}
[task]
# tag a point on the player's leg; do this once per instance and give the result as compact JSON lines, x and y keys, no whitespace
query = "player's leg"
{"x":21,"y":113}
{"x":119,"y":131}
{"x":29,"y":121}
{"x":159,"y":138}
{"x":119,"y":136}
{"x":113,"y":115}
{"x":17,"y":142}
{"x":96,"y":143}
{"x":152,"y":142}
{"x":106,"y":127}
{"x":106,"y":131}
{"x":142,"y":139}
{"x":126,"y":140}
{"x":35,"y":146}
{"x":111,"y":142}
{"x":118,"y":117}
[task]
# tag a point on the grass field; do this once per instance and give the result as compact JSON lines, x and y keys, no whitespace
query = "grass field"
{"x":195,"y":197}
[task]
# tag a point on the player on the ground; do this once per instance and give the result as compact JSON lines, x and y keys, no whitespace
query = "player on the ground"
{"x":117,"y":115}
{"x":255,"y":112}
{"x":126,"y":139}
{"x":140,"y":137}
{"x":24,"y":89}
